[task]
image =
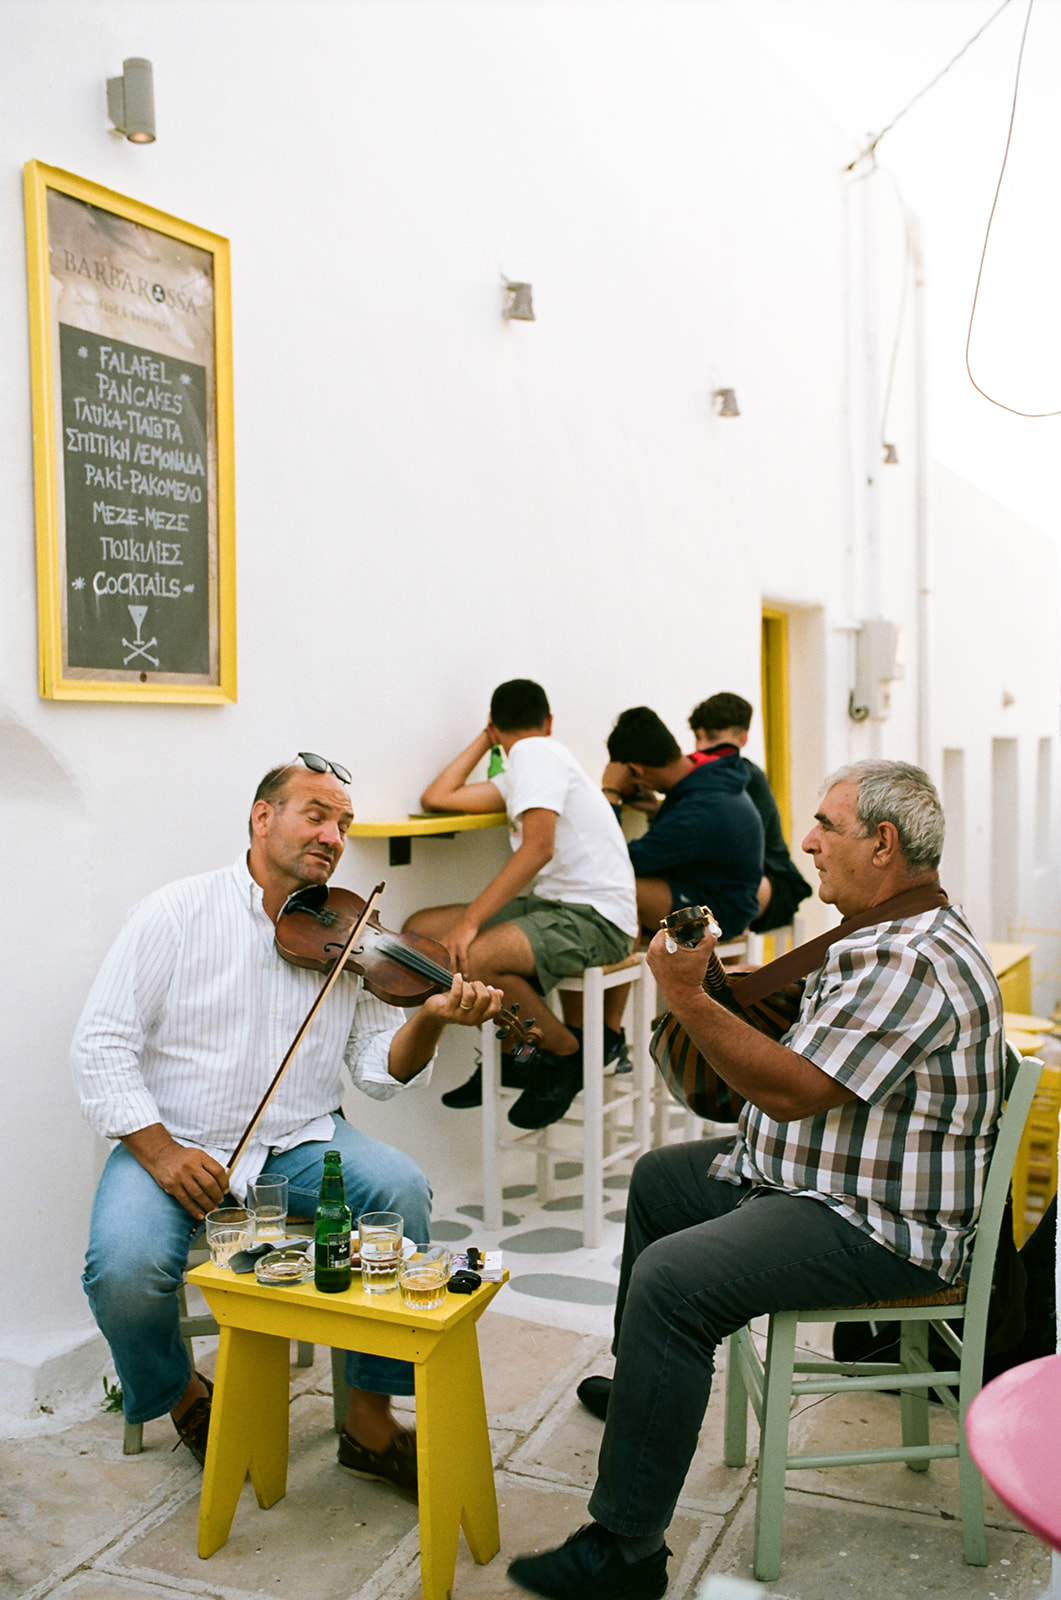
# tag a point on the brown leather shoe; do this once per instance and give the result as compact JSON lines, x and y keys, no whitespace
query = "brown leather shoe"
{"x":395,"y":1465}
{"x":194,"y":1425}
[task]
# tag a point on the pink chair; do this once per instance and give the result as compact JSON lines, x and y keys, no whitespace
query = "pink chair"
{"x":1013,"y":1428}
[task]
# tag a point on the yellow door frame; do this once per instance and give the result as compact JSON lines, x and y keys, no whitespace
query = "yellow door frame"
{"x":773,"y":668}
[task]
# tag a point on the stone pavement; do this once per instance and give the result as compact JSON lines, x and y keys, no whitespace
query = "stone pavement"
{"x":79,"y":1520}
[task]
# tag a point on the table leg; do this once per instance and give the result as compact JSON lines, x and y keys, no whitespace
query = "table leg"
{"x":248,"y":1430}
{"x":452,"y":1434}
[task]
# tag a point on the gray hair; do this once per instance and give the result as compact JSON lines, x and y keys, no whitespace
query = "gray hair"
{"x":897,"y":792}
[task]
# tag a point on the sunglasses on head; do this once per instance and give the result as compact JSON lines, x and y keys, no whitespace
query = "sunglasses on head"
{"x":318,"y":764}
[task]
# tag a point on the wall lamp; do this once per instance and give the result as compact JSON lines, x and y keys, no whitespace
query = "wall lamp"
{"x":891,"y":456}
{"x":726,"y":402}
{"x":131,"y":101}
{"x":518,"y":305}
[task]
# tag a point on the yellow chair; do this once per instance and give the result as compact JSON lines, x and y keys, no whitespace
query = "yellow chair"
{"x":1035,"y":1172}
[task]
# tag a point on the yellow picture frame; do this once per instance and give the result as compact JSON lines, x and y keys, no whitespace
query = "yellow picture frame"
{"x":130,"y":322}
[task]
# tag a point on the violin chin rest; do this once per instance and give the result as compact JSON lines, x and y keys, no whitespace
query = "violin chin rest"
{"x":310,"y":898}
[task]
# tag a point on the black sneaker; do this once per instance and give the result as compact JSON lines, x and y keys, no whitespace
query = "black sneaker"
{"x":470,"y":1092}
{"x":589,"y":1567}
{"x":555,"y":1082}
{"x":616,"y":1051}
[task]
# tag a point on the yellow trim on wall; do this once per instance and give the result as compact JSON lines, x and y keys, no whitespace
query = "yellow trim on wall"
{"x":774,"y":681}
{"x":55,"y":681}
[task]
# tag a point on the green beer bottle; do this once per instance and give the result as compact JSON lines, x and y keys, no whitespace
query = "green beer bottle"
{"x":331,"y":1230}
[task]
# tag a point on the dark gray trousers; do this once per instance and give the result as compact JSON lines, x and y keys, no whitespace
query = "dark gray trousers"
{"x":700,"y":1259}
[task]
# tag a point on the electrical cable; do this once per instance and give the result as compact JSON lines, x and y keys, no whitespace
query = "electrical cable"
{"x":983,"y":254}
{"x":870,"y":149}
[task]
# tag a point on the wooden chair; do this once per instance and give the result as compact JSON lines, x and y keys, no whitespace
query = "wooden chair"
{"x":201,"y":1325}
{"x":770,"y":1385}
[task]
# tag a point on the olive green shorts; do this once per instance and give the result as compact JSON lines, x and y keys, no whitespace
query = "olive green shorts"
{"x":564,"y":938}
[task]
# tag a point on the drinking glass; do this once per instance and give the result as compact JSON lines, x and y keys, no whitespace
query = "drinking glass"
{"x":422,"y":1277}
{"x":227,"y":1230}
{"x":380,"y":1233}
{"x":267,"y":1199}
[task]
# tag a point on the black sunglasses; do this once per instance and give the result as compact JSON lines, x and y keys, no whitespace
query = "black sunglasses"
{"x":318,"y":764}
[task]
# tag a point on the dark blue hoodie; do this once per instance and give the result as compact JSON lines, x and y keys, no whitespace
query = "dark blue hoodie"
{"x":707,"y":837}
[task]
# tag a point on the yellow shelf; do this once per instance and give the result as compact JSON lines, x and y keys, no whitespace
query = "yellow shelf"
{"x":438,"y":825}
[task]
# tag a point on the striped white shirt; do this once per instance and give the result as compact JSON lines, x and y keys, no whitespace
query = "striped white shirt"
{"x":191,"y":1014}
{"x":907,"y":1015}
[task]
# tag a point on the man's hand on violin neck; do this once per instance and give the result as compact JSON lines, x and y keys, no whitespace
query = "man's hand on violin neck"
{"x":468,"y":1003}
{"x":191,"y":1176}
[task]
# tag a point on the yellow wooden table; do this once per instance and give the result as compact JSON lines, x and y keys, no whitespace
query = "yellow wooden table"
{"x":249,"y":1418}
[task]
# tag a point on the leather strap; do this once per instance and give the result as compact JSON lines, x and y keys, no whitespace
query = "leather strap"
{"x":807,"y":958}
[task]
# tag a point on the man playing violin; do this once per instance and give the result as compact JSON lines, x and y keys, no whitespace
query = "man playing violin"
{"x":189,"y":1017}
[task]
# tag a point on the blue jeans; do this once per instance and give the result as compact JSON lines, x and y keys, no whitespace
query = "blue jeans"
{"x":138,"y":1249}
{"x":700,"y":1259}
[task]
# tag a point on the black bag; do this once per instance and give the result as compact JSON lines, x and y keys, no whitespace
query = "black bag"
{"x":1021,"y":1319}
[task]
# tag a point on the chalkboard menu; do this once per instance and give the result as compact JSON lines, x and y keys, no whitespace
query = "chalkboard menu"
{"x":133,"y":448}
{"x":137,"y":531}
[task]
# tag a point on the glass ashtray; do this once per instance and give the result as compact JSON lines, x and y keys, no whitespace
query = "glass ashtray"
{"x":282,"y":1268}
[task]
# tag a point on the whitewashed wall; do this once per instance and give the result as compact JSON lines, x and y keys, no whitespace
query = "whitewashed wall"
{"x":430,"y":500}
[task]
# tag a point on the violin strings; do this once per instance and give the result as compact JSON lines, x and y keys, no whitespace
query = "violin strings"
{"x":415,"y":960}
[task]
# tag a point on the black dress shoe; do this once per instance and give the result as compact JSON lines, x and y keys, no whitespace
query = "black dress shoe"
{"x":595,"y":1393}
{"x":555,"y":1082}
{"x":470,"y":1092}
{"x":589,"y":1567}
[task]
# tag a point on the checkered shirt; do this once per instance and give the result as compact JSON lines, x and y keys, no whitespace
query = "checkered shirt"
{"x":907,"y":1015}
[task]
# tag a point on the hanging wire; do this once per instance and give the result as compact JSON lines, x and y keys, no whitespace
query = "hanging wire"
{"x":870,"y":149}
{"x":983,"y":254}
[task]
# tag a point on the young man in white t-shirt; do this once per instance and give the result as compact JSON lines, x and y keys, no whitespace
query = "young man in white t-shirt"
{"x":563,"y":902}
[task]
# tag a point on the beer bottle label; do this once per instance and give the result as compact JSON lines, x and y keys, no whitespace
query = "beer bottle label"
{"x":336,"y":1250}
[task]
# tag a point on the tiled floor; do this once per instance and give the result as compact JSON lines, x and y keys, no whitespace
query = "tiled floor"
{"x":77,"y":1519}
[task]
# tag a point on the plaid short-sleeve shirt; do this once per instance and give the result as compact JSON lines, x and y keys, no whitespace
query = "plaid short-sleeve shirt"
{"x":907,"y":1015}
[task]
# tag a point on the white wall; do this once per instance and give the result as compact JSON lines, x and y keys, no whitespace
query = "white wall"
{"x":430,"y":500}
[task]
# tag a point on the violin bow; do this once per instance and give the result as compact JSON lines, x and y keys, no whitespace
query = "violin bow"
{"x":325,"y":990}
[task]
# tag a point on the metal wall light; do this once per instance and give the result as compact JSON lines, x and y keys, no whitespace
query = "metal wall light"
{"x":726,"y":402}
{"x":518,"y":305}
{"x":891,"y":456}
{"x":131,"y":101}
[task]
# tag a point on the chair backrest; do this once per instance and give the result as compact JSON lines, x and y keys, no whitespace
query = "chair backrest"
{"x":1022,"y":1079}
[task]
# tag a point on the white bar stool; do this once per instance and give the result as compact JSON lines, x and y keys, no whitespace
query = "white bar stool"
{"x":605,"y":1139}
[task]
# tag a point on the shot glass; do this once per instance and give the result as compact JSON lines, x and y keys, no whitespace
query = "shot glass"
{"x":422,"y":1277}
{"x":380,"y":1234}
{"x":267,"y":1199}
{"x":227,"y":1230}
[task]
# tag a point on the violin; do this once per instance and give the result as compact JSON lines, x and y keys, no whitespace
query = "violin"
{"x":400,"y":969}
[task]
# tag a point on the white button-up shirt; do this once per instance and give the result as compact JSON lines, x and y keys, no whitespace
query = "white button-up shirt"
{"x":193,"y":1011}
